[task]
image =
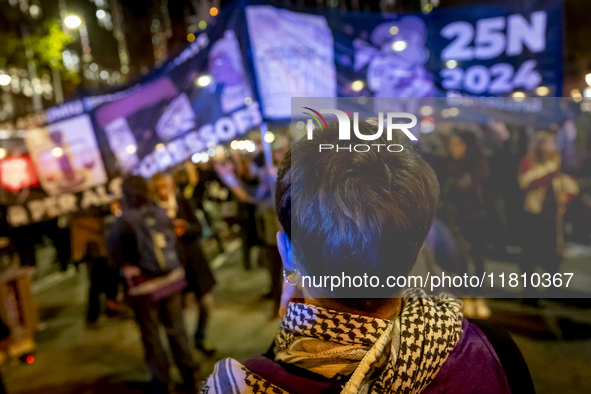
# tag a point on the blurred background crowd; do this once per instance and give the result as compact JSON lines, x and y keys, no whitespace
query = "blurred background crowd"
{"x":194,"y":97}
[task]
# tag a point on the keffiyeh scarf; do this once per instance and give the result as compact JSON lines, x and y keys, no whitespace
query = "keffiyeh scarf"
{"x":372,"y":355}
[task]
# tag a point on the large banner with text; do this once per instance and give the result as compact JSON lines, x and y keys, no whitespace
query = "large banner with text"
{"x":492,"y":50}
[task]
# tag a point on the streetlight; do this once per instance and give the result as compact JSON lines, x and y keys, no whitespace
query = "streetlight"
{"x":5,"y":79}
{"x":72,"y":21}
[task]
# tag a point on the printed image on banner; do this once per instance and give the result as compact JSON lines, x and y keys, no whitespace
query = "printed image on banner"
{"x":134,"y":125}
{"x":396,"y":62}
{"x":481,"y":50}
{"x":66,"y":156}
{"x":204,"y":98}
{"x":293,"y":57}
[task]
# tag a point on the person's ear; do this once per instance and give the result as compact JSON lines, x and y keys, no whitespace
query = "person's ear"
{"x":284,"y":246}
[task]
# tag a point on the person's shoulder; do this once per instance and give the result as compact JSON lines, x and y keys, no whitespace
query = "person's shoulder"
{"x":485,"y":360}
{"x":508,"y":355}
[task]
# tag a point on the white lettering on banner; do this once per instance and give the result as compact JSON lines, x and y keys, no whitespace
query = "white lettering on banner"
{"x":89,"y":199}
{"x":17,"y":215}
{"x":490,"y":41}
{"x":192,"y":142}
{"x":67,"y":202}
{"x":200,"y":42}
{"x":54,"y":206}
{"x":65,"y":111}
{"x":493,"y":37}
{"x":51,"y":207}
{"x":500,"y":78}
{"x":207,"y":134}
{"x":520,"y":32}
{"x":223,"y":129}
{"x":529,"y":105}
{"x":37,"y":209}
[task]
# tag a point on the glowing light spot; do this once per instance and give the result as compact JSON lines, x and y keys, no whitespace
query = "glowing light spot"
{"x":269,"y":137}
{"x":451,"y":64}
{"x":57,"y":151}
{"x":399,"y":46}
{"x":426,"y":110}
{"x":131,"y":149}
{"x":72,"y":21}
{"x":204,"y":80}
{"x":357,"y":85}
{"x":5,"y":79}
{"x":542,"y":90}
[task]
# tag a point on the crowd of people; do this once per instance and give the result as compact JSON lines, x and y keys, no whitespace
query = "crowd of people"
{"x":147,"y":250}
{"x":502,"y":194}
{"x":505,"y":196}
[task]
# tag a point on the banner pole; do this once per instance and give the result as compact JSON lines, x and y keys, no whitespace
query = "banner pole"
{"x":266,"y":147}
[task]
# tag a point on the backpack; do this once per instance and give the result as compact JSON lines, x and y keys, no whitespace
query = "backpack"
{"x":155,"y":238}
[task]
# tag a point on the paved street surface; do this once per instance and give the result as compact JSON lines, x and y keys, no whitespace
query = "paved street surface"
{"x":71,"y":358}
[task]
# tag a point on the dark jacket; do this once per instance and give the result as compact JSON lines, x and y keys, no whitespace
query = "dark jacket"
{"x":200,"y":279}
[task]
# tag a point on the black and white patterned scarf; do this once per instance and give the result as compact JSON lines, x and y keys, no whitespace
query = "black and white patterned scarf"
{"x":372,"y":355}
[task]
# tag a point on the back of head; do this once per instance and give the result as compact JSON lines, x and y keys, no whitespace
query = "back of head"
{"x":355,"y":212}
{"x":135,"y":192}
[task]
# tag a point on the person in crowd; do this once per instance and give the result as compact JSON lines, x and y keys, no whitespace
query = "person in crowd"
{"x":267,"y":226}
{"x":88,"y":245}
{"x":548,"y":193}
{"x":247,"y":176}
{"x":142,"y":242}
{"x":188,"y":230}
{"x":367,"y":212}
{"x":507,"y":146}
{"x":464,"y":207}
{"x":192,"y":183}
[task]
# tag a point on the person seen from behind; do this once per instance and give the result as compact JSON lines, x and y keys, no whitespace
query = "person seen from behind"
{"x":142,"y":242}
{"x":367,"y":212}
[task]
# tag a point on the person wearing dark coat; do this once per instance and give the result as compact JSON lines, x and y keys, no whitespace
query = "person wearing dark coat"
{"x":200,"y":279}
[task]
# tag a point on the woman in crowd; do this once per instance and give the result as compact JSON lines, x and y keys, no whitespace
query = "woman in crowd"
{"x":464,"y":208}
{"x":547,"y":195}
{"x":188,"y":230}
